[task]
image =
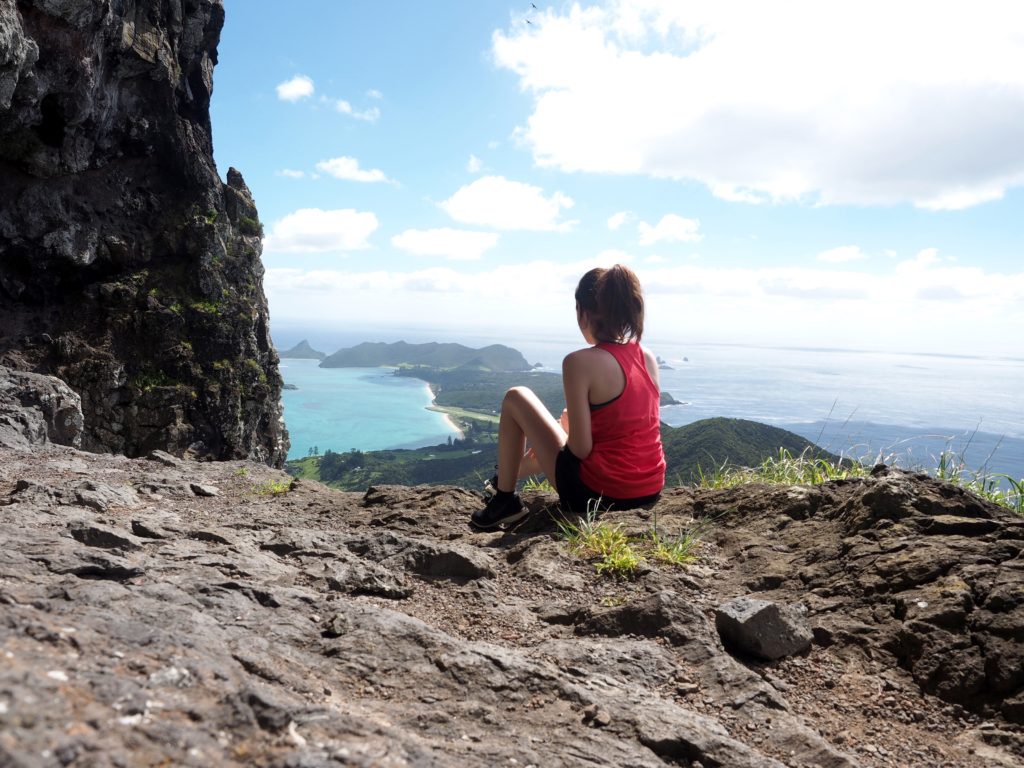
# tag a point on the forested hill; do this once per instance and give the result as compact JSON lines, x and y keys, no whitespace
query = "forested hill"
{"x":709,"y":444}
{"x":495,"y":357}
{"x":701,"y":447}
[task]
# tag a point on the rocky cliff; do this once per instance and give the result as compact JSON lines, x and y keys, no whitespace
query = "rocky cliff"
{"x":127,"y":268}
{"x":166,"y":612}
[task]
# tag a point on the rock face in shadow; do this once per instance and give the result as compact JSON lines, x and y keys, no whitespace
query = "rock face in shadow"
{"x":127,"y":268}
{"x":165,"y":611}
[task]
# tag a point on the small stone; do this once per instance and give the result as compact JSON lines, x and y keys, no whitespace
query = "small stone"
{"x":162,"y":457}
{"x":602,"y":718}
{"x":336,"y":626}
{"x":199,"y":489}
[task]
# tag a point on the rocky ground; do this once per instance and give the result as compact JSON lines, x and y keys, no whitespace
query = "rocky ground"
{"x":164,"y":612}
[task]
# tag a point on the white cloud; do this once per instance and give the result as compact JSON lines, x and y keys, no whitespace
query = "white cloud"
{"x":671,"y":228}
{"x":347,"y":168}
{"x":616,"y":220}
{"x":494,"y":201}
{"x":288,"y":173}
{"x":373,"y":93}
{"x":312,"y":230}
{"x":904,"y":303}
{"x":299,"y":87}
{"x":868,"y":103}
{"x":473,"y":165}
{"x":842,"y":254}
{"x":451,"y":243}
{"x":370,"y":115}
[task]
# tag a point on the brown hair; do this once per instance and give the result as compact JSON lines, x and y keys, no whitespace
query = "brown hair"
{"x":614,"y":302}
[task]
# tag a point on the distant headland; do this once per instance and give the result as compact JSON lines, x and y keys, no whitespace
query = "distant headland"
{"x":303,"y":351}
{"x":496,"y":358}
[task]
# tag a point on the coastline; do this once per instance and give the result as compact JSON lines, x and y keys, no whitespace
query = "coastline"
{"x":444,"y":412}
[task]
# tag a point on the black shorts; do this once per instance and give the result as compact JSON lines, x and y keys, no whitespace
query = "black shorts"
{"x":575,"y":495}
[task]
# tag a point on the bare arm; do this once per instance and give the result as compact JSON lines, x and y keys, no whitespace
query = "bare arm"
{"x":577,"y":402}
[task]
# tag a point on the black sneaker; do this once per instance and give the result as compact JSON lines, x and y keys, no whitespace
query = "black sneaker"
{"x":500,"y":511}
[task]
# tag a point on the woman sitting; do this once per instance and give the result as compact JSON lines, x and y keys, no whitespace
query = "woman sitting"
{"x":606,"y":448}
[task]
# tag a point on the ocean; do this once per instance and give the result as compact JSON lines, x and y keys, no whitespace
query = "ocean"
{"x":866,"y":405}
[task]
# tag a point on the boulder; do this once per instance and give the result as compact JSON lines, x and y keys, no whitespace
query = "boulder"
{"x":37,"y":409}
{"x":762,"y":628}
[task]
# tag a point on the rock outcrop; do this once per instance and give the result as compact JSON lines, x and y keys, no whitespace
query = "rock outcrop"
{"x":127,"y":268}
{"x":168,"y":612}
{"x":36,"y":409}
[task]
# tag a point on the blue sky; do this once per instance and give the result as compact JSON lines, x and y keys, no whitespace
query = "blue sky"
{"x":805,"y":174}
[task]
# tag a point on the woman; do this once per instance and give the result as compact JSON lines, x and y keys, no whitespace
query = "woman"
{"x":606,"y":449}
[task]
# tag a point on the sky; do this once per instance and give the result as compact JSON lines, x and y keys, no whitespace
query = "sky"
{"x":840,"y":175}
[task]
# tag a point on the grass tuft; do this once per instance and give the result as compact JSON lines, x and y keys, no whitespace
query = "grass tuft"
{"x":782,"y":469}
{"x":274,"y":487}
{"x":619,"y":555}
{"x":998,"y":488}
{"x":538,"y":485}
{"x":786,"y":469}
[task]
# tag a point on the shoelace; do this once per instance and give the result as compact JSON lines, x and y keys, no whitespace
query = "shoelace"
{"x":490,"y":488}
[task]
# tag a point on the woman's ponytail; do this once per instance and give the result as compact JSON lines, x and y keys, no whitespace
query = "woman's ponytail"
{"x":613,"y":300}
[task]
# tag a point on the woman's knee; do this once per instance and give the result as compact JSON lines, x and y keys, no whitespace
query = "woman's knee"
{"x":518,"y":396}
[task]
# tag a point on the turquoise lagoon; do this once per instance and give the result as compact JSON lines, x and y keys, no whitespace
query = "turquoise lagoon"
{"x":366,"y":408}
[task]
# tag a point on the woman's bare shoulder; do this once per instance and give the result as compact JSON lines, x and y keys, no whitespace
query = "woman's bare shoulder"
{"x":584,"y":358}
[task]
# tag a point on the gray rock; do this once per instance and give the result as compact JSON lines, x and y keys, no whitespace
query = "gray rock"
{"x":200,"y":489}
{"x":36,"y":409}
{"x":102,"y":497}
{"x":762,"y":628}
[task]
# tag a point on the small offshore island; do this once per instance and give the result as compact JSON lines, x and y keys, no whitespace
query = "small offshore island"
{"x":467,"y":386}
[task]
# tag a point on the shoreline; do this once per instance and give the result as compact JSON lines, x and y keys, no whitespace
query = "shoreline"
{"x":444,"y":412}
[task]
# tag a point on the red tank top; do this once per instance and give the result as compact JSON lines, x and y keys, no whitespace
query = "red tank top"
{"x":626,"y":461}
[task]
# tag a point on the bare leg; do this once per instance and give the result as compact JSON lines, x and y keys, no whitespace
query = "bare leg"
{"x":530,"y":465}
{"x":523,"y":416}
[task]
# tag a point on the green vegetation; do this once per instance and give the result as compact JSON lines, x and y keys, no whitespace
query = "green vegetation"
{"x":713,"y":443}
{"x":535,"y":484}
{"x":147,"y":381}
{"x":783,"y":468}
{"x":206,"y":307}
{"x":721,"y":446}
{"x":998,"y":488}
{"x":242,"y":472}
{"x":250,"y":226}
{"x":274,"y":487}
{"x":618,"y":555}
{"x":483,"y":391}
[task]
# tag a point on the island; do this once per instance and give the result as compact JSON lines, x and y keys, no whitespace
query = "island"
{"x":302,"y":351}
{"x":449,"y":356}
